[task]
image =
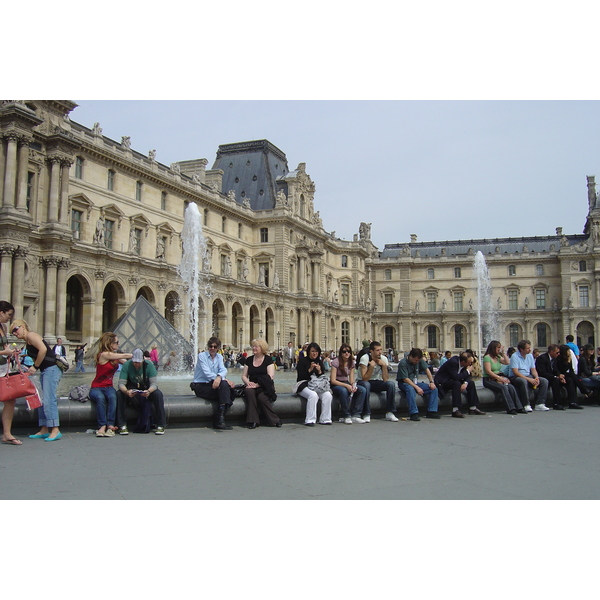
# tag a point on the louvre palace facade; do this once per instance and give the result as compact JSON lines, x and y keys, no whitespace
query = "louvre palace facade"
{"x":87,"y":225}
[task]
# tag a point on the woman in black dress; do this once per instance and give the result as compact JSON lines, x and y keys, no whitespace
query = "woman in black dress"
{"x":258,"y":374}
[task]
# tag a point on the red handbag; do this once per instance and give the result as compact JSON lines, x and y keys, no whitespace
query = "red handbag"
{"x":17,"y":385}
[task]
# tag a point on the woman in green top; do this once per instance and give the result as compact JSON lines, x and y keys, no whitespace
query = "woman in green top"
{"x":494,"y":380}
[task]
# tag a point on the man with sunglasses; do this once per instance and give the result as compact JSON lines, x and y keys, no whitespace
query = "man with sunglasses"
{"x":211,"y":383}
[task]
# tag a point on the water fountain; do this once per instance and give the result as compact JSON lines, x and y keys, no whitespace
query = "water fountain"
{"x":487,"y":316}
{"x":194,"y":252}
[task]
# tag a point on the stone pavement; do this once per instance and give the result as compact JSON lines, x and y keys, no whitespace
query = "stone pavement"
{"x":550,"y":455}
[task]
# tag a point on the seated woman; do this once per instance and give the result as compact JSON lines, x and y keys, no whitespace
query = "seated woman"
{"x":494,"y":379}
{"x":314,"y":388}
{"x":258,"y":376}
{"x":569,"y":379}
{"x":102,"y":391}
{"x":587,"y":369}
{"x":351,"y":396}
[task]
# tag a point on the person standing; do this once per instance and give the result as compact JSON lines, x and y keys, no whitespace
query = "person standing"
{"x":258,"y":375}
{"x":59,"y":349}
{"x":154,"y":356}
{"x":211,"y":383}
{"x":44,"y":361}
{"x":79,"y":354}
{"x":7,"y":312}
{"x":288,"y":356}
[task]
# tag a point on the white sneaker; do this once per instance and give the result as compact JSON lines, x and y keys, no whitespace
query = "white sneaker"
{"x":367,"y":418}
{"x":348,"y":421}
{"x":527,"y":408}
{"x":357,"y":420}
{"x":391,"y":417}
{"x":541,"y":407}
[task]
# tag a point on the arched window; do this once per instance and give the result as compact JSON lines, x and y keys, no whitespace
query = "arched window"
{"x":345,"y":332}
{"x":389,"y":337}
{"x":432,"y":336}
{"x":514,"y":334}
{"x":459,"y":336}
{"x":541,"y":330}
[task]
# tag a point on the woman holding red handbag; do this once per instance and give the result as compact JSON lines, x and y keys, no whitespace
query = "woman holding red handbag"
{"x":7,"y":312}
{"x":45,"y":362}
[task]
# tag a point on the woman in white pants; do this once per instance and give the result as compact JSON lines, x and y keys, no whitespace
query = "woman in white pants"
{"x":310,"y":369}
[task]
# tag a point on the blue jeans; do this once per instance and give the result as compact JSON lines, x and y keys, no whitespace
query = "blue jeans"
{"x":48,"y":412}
{"x":79,"y":368}
{"x":102,"y":396}
{"x":377,"y":386}
{"x":343,"y":395}
{"x":411,"y":397}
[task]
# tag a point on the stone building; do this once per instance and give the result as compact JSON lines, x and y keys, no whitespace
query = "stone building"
{"x":88,"y":224}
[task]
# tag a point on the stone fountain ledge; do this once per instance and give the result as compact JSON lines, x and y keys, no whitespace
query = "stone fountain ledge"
{"x":190,"y":409}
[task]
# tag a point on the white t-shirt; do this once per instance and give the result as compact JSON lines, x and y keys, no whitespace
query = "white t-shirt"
{"x":365,"y":358}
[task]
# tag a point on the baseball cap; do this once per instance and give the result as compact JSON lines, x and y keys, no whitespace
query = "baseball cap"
{"x":137,"y":356}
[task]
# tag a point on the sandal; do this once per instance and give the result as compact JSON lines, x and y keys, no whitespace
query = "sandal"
{"x":12,"y":442}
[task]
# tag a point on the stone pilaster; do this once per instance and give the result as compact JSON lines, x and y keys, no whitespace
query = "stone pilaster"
{"x":20,"y":255}
{"x":61,"y":298}
{"x":6,"y":259}
{"x":54,"y":192}
{"x":10,"y":170}
{"x":50,"y":264}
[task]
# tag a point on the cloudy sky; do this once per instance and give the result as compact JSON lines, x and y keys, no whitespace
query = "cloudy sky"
{"x":439,"y":169}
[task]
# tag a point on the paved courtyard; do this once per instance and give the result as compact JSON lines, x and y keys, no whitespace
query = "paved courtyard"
{"x":549,"y":455}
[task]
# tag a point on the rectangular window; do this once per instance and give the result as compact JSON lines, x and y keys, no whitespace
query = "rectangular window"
{"x":264,"y":235}
{"x":459,"y":336}
{"x":138,"y":191}
{"x":458,"y":303}
{"x":205,"y":223}
{"x":76,"y":216}
{"x":513,"y":299}
{"x":345,"y":332}
{"x":513,"y":335}
{"x":111,"y":180}
{"x":584,"y":296}
{"x":240,"y":268}
{"x":223,"y":264}
{"x":388,"y":301}
{"x":138,"y":241}
{"x":432,"y":336}
{"x":344,"y":260}
{"x":109,"y":227}
{"x":431,"y":302}
{"x":345,"y":289}
{"x":540,"y":298}
{"x":223,"y":224}
{"x":163,"y":201}
{"x":30,"y":179}
{"x":79,"y":167}
{"x":457,"y":273}
{"x":240,"y":231}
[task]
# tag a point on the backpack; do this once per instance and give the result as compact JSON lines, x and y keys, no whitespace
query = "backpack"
{"x":80,"y":393}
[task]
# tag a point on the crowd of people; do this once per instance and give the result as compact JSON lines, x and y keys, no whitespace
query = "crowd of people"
{"x":518,"y":377}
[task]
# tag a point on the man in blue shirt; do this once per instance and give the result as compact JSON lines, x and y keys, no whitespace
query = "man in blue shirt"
{"x":524,"y":375}
{"x":407,"y":378}
{"x":211,"y":383}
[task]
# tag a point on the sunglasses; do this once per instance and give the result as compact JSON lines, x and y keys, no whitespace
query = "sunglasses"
{"x":345,"y":350}
{"x":213,"y":346}
{"x":15,"y":330}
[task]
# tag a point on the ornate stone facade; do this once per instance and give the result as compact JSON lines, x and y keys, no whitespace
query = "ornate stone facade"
{"x":87,"y":224}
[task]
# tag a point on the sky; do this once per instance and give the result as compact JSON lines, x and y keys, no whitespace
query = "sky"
{"x":442,"y":170}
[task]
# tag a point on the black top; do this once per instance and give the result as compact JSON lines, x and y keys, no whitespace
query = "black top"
{"x":260,"y":376}
{"x":49,"y":359}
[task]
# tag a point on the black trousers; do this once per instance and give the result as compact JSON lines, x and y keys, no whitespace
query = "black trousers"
{"x":470,"y":393}
{"x":255,"y":399}
{"x":156,"y":400}
{"x":223,"y":394}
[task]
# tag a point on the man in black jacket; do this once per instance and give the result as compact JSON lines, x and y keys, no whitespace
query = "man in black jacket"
{"x":545,"y":365}
{"x":455,"y":375}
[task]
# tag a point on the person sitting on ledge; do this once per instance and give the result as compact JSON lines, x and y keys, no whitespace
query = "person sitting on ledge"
{"x":138,"y":387}
{"x":407,"y":378}
{"x":211,"y":383}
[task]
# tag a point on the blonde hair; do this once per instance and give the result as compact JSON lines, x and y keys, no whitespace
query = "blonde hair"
{"x":19,"y":323}
{"x":262,"y":343}
{"x":106,"y":339}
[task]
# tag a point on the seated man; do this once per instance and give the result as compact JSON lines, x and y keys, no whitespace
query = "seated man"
{"x":211,"y":383}
{"x":524,"y":375}
{"x":138,"y":388}
{"x":455,"y":375}
{"x":407,"y":378}
{"x":373,"y":372}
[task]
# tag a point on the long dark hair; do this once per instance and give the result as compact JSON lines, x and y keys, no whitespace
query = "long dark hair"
{"x":564,"y":353}
{"x":310,"y":347}
{"x":492,"y":348}
{"x":341,"y":359}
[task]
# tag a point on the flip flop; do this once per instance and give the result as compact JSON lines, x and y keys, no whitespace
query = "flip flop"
{"x":12,"y":442}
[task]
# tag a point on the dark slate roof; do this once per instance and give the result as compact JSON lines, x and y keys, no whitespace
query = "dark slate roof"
{"x":461,"y":247}
{"x":256,"y":165}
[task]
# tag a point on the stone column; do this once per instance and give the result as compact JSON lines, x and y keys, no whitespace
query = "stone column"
{"x":18,"y":279}
{"x":22,"y":175}
{"x":10,"y":172}
{"x":64,"y":192}
{"x":54,"y":193}
{"x":61,"y":298}
{"x":50,"y":263}
{"x":2,"y":166}
{"x":96,"y":322}
{"x":6,"y":258}
{"x":301,"y":273}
